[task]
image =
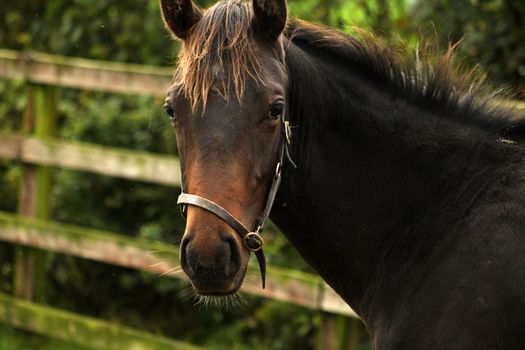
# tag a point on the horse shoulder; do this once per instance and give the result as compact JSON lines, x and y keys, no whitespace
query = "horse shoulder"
{"x":468,"y":292}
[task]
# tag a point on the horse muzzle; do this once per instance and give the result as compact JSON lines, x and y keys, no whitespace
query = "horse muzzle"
{"x":214,"y":264}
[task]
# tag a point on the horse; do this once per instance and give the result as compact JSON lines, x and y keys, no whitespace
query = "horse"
{"x":400,"y":183}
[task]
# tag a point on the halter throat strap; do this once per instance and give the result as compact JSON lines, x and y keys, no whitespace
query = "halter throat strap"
{"x":251,"y":239}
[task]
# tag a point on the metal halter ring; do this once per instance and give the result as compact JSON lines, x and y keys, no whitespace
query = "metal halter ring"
{"x":253,"y":242}
{"x":287,"y":132}
{"x":278,"y":170}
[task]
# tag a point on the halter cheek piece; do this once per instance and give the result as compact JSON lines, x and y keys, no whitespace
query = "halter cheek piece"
{"x":252,"y":239}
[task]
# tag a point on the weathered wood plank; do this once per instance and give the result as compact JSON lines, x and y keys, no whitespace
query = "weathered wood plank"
{"x":89,"y":244}
{"x":81,"y":330}
{"x":100,"y":75}
{"x":295,"y":287}
{"x":84,"y":74}
{"x":332,"y":302}
{"x":92,"y":158}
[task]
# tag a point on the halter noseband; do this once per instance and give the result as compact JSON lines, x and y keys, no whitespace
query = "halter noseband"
{"x":251,"y":239}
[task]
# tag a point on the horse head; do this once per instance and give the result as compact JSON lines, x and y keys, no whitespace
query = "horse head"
{"x":228,"y":107}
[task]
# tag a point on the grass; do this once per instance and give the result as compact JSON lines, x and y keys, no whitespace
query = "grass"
{"x":14,"y":339}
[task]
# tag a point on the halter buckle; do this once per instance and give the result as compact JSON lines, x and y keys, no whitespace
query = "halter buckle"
{"x":253,"y":242}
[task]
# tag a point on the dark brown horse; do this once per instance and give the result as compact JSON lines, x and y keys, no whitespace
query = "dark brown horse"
{"x":409,"y":193}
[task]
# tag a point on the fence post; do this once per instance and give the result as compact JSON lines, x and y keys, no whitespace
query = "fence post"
{"x":339,"y":332}
{"x":40,"y":120}
{"x":327,"y":339}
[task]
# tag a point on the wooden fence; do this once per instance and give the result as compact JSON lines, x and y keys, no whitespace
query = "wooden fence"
{"x":35,"y":235}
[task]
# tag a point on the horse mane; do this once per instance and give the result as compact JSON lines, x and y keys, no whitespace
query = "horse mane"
{"x":221,"y":54}
{"x":431,"y":82}
{"x":219,"y":45}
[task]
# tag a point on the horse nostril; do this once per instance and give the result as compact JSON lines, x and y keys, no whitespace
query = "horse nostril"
{"x":235,"y":256}
{"x":205,"y":258}
{"x":184,"y":244}
{"x":184,"y":261}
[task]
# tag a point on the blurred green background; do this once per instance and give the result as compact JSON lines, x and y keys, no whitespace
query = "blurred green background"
{"x":492,"y":34}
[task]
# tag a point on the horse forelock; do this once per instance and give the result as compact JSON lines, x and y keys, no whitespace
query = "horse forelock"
{"x":219,"y":54}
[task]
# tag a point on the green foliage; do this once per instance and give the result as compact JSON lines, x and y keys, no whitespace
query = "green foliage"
{"x":11,"y":339}
{"x":12,"y":106}
{"x":102,"y":202}
{"x":381,"y":16}
{"x":491,"y":32}
{"x":10,"y":171}
{"x":278,"y":327}
{"x":106,"y":29}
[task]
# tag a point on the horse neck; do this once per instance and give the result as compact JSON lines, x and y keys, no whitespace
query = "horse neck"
{"x":369,"y":165}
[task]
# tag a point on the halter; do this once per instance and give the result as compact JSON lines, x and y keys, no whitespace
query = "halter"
{"x":252,"y":239}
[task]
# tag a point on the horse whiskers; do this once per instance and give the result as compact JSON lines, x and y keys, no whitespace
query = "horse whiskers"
{"x":154,"y":251}
{"x":226,"y":302}
{"x":188,"y":293}
{"x":160,"y":128}
{"x":171,"y":272}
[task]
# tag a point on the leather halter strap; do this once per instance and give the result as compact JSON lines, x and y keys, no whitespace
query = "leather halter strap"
{"x":251,"y":239}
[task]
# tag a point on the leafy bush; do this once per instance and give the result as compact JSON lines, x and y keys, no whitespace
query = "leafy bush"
{"x":491,"y":33}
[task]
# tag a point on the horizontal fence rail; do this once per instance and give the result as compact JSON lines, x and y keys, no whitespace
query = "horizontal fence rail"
{"x":287,"y":285}
{"x":84,"y":74}
{"x":144,"y":167}
{"x":81,"y":330}
{"x":96,"y":159}
{"x":104,"y":76}
{"x":150,"y":168}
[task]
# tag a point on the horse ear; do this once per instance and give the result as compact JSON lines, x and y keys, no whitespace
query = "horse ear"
{"x":180,"y":16}
{"x":269,"y":17}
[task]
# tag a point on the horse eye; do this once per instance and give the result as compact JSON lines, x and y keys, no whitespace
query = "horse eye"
{"x":275,"y":111}
{"x":169,"y":112}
